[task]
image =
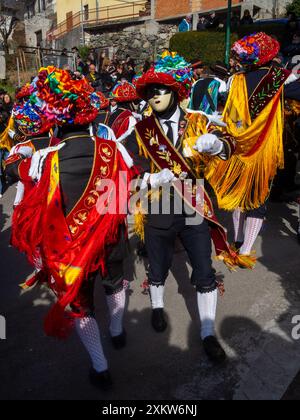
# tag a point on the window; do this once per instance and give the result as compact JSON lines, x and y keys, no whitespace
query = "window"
{"x":39,"y":38}
{"x":33,"y":9}
{"x":86,"y":12}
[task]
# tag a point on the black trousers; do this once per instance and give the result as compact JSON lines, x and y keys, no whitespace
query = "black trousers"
{"x":160,"y":244}
{"x":259,"y":213}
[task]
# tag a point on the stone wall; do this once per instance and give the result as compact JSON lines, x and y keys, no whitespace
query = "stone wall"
{"x":141,"y":41}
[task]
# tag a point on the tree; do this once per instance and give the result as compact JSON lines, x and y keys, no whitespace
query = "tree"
{"x":293,"y":7}
{"x":8,"y":20}
{"x":7,"y":25}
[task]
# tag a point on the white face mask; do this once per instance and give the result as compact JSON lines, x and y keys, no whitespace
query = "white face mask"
{"x":160,"y":103}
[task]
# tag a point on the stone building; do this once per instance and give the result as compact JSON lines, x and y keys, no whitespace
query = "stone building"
{"x":39,"y":19}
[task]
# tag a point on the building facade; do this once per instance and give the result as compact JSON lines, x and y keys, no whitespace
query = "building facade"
{"x":39,"y":19}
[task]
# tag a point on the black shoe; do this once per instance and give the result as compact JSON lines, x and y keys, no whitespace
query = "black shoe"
{"x":214,"y":350}
{"x":101,"y":380}
{"x":158,"y":320}
{"x":119,"y":342}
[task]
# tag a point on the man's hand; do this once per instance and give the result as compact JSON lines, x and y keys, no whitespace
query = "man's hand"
{"x":209,"y":144}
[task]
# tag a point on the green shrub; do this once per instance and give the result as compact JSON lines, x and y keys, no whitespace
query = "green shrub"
{"x":84,"y":52}
{"x":208,"y":46}
{"x":9,"y":88}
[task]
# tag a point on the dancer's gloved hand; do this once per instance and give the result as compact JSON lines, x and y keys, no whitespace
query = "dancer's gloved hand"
{"x":161,"y":178}
{"x":210,"y":144}
{"x":156,"y":180}
{"x":11,"y":133}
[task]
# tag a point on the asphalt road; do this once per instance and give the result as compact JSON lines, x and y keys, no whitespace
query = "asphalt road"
{"x":254,"y":324}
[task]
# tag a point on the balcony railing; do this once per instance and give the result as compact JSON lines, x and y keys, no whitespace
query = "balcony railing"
{"x":101,"y":16}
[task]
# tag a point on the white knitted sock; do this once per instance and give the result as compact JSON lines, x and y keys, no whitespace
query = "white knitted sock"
{"x":253,"y":227}
{"x":157,"y":296}
{"x":88,"y":331}
{"x":207,"y":306}
{"x":116,"y":305}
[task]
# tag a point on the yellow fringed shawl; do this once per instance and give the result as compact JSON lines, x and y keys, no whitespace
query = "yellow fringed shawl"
{"x":244,"y":180}
{"x":5,"y":141}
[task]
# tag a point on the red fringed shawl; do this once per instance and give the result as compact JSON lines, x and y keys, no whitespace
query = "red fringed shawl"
{"x":65,"y":259}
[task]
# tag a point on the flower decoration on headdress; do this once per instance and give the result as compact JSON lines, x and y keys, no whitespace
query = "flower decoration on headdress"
{"x":176,"y":66}
{"x":124,"y":92}
{"x":256,"y":49}
{"x":55,"y":96}
{"x":170,"y":70}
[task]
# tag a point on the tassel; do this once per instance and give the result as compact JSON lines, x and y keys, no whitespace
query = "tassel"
{"x":139,"y":225}
{"x":234,"y":260}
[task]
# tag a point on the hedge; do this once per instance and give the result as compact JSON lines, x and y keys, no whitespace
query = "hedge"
{"x":208,"y":46}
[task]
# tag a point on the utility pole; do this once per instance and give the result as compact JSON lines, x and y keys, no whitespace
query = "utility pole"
{"x":228,"y":33}
{"x":97,"y":10}
{"x":82,"y":24}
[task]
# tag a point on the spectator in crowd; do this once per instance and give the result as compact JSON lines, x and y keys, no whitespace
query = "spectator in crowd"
{"x":75,"y":51}
{"x":3,"y":157}
{"x":292,"y":26}
{"x":293,"y":48}
{"x":6,"y":106}
{"x":202,"y":23}
{"x":129,"y":61}
{"x":186,"y":24}
{"x":213,"y":21}
{"x":235,"y":22}
{"x":94,"y":77}
{"x":102,"y":59}
{"x":81,"y":66}
{"x":197,"y":67}
{"x":147,"y":66}
{"x":92,"y":57}
{"x":121,"y":73}
{"x":2,"y":94}
{"x":247,"y":18}
{"x":64,"y":52}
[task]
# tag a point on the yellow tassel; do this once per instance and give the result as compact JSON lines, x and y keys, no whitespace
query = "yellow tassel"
{"x":139,"y":225}
{"x":244,"y":181}
{"x":234,"y":260}
{"x":5,"y":141}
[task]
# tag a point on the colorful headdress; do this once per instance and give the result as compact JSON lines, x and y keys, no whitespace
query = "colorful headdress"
{"x":55,"y":96}
{"x":256,"y":49}
{"x":103,"y":99}
{"x":124,"y":92}
{"x":170,"y":70}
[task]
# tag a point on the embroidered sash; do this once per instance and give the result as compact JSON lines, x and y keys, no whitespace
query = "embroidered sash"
{"x":103,"y":168}
{"x":163,"y":154}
